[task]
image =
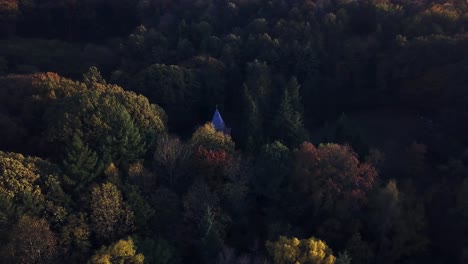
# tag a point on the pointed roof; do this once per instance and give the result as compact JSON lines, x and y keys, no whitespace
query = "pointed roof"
{"x":218,"y":121}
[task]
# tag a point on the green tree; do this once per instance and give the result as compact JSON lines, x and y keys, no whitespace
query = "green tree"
{"x":173,"y":87}
{"x":127,"y":144}
{"x":81,"y":165}
{"x":288,"y":125}
{"x":168,"y":207}
{"x":143,"y":211}
{"x":92,"y":77}
{"x":272,"y":169}
{"x":252,"y":122}
{"x":7,"y":213}
{"x":103,"y":123}
{"x":204,"y":220}
{"x":158,"y":251}
{"x":293,"y":87}
{"x":343,"y":258}
{"x":75,"y":238}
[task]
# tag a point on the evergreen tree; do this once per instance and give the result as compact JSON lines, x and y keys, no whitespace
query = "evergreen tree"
{"x":343,"y":258}
{"x":93,"y":76}
{"x":293,"y":88}
{"x":81,"y":165}
{"x":252,"y":121}
{"x":288,"y":122}
{"x":125,"y":144}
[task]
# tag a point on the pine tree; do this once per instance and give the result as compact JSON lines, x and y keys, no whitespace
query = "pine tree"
{"x":93,"y":76}
{"x":81,"y":164}
{"x":125,"y":144}
{"x":288,"y":122}
{"x":293,"y":88}
{"x":252,"y":120}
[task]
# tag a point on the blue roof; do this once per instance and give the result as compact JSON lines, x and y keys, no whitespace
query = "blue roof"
{"x":218,"y":121}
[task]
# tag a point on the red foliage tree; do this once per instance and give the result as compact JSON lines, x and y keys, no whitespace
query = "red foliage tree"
{"x":211,"y":164}
{"x":332,"y":174}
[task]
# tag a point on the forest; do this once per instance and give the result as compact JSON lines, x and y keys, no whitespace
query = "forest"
{"x":339,"y":131}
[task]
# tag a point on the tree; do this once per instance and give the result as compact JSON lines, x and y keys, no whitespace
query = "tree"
{"x":92,"y":77}
{"x":75,"y":238}
{"x":204,"y":220}
{"x":121,"y":252}
{"x":293,"y":88}
{"x":272,"y":169}
{"x":145,"y":179}
{"x":168,"y":207}
{"x":81,"y":165}
{"x":211,"y":165}
{"x":7,"y":214}
{"x":292,"y":250}
{"x":31,"y":184}
{"x":173,"y":87}
{"x":288,"y":125}
{"x":343,"y":258}
{"x":19,"y":175}
{"x":70,"y":108}
{"x":31,"y":241}
{"x":158,"y":251}
{"x":143,"y":211}
{"x":211,"y":83}
{"x":127,"y":144}
{"x":259,"y":82}
{"x":171,"y":159}
{"x":359,"y":250}
{"x":211,"y":139}
{"x":111,"y":218}
{"x":398,"y":224}
{"x":102,"y":122}
{"x":252,"y":121}
{"x":331,"y":175}
{"x":346,"y":133}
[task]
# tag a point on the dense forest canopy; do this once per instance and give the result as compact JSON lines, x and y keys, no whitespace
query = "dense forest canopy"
{"x":346,"y":142}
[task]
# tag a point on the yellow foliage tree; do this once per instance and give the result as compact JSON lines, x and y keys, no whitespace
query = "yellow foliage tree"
{"x":111,"y":217}
{"x":305,"y":251}
{"x":122,"y":252}
{"x":210,"y":139}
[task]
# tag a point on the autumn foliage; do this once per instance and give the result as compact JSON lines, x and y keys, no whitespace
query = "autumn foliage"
{"x":332,"y":173}
{"x":211,"y":164}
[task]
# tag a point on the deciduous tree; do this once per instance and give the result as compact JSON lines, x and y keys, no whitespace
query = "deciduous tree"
{"x":123,"y":251}
{"x":31,"y":241}
{"x":293,"y":250}
{"x":110,"y":216}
